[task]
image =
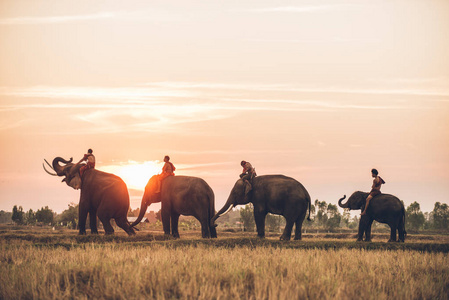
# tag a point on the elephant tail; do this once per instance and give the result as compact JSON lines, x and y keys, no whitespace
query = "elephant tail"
{"x":403,"y":220}
{"x":310,"y":207}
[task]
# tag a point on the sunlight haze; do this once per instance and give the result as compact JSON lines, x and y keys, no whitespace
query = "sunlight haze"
{"x":322,"y":91}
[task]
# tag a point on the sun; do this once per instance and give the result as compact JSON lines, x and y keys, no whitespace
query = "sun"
{"x":135,"y":174}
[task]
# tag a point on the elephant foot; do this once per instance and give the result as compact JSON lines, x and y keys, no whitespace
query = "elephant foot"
{"x":369,"y":241}
{"x":391,"y":241}
{"x":401,"y":241}
{"x":261,"y":236}
{"x":297,"y":238}
{"x":284,"y":238}
{"x":82,"y":233}
{"x":359,"y":240}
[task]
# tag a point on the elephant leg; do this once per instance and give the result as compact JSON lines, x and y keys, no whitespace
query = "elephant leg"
{"x":401,"y":231}
{"x":205,"y":229}
{"x":368,"y":231}
{"x":165,"y":215}
{"x":124,"y":224}
{"x":287,"y":230}
{"x":83,"y":211}
{"x":362,"y":227}
{"x":393,"y":228}
{"x":260,"y":223}
{"x":298,"y":228}
{"x":93,"y":221}
{"x":174,"y":225}
{"x":106,"y":221}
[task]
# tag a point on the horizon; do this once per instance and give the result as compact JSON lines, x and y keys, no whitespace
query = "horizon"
{"x":319,"y":91}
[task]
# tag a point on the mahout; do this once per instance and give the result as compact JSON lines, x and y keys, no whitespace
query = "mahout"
{"x":180,"y":195}
{"x":276,"y":194}
{"x":102,"y":194}
{"x":383,"y":208}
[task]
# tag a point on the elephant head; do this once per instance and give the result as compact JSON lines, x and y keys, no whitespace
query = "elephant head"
{"x":356,"y":201}
{"x":149,"y":196}
{"x":69,"y":170}
{"x":240,"y":195}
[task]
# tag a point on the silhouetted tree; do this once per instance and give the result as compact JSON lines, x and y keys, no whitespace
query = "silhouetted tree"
{"x":247,"y":217}
{"x":272,"y":222}
{"x":414,"y":216}
{"x":334,"y":217}
{"x":69,"y":217}
{"x":17,"y":215}
{"x":30,"y":217}
{"x":45,"y":215}
{"x":440,"y":215}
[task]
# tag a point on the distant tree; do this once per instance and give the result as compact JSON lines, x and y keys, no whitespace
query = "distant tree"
{"x":414,"y":217}
{"x":133,"y":213}
{"x":158,"y":215}
{"x":17,"y":215}
{"x":30,"y":217}
{"x":354,"y":223}
{"x":440,"y":215}
{"x":45,"y":215}
{"x":321,"y":215}
{"x":272,"y":222}
{"x":69,"y":217}
{"x":345,"y":218}
{"x":5,"y":216}
{"x":247,"y":217}
{"x":334,"y":217}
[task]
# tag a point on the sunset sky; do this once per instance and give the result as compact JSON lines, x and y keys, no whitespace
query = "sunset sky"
{"x":321,"y":91}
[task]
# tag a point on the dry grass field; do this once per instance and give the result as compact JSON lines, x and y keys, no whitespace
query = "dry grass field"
{"x":45,"y":264}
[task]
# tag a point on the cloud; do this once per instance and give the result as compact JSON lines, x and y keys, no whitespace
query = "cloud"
{"x":56,"y":19}
{"x":299,"y":9}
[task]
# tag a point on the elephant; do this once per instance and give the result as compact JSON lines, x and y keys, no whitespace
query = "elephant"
{"x":276,"y":194}
{"x":102,"y":194}
{"x":383,"y":208}
{"x":180,"y":195}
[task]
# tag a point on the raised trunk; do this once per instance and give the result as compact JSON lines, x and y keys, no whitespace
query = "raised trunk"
{"x":58,"y":168}
{"x":143,"y":210}
{"x":343,"y":205}
{"x":225,"y":208}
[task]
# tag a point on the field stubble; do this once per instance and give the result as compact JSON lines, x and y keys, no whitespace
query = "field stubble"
{"x":50,"y":265}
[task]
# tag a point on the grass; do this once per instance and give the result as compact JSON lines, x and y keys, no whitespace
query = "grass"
{"x":46,"y":264}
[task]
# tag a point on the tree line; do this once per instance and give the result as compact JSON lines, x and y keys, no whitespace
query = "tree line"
{"x":328,"y":217}
{"x":323,"y":215}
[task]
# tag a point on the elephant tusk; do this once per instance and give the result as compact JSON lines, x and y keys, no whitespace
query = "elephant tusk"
{"x":49,"y":165}
{"x":229,"y":209}
{"x":52,"y":174}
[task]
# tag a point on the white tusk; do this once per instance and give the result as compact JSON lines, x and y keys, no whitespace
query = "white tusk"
{"x":49,"y":172}
{"x":49,"y":165}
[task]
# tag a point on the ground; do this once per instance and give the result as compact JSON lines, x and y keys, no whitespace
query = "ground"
{"x":44,"y":263}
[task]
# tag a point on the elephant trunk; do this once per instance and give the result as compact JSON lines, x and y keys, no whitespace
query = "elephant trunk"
{"x":143,"y":210}
{"x":346,"y":205}
{"x":57,"y":167}
{"x":224,"y":210}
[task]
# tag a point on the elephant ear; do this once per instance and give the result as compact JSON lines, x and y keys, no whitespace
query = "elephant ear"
{"x":247,"y":189}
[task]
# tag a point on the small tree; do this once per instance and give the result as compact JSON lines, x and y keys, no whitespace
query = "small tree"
{"x":30,"y":217}
{"x":334,"y":217}
{"x":414,"y":216}
{"x":440,"y":216}
{"x":247,"y":217}
{"x":69,"y":217}
{"x":17,"y":215}
{"x":272,"y":222}
{"x":44,"y":215}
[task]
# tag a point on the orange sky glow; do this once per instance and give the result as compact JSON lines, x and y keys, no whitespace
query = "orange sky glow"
{"x":321,"y":91}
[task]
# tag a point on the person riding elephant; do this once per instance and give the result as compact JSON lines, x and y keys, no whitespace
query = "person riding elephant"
{"x":384,"y":208}
{"x":102,"y":194}
{"x":180,"y":195}
{"x":276,"y":194}
{"x":167,"y":170}
{"x":248,"y":173}
{"x":375,"y":189}
{"x":89,"y":158}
